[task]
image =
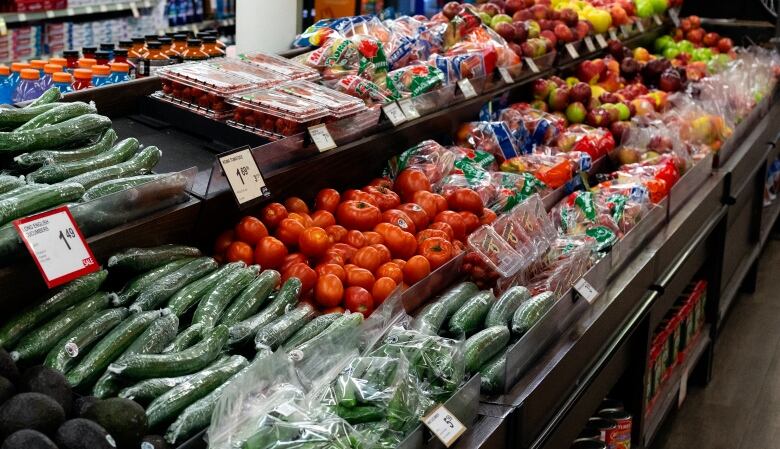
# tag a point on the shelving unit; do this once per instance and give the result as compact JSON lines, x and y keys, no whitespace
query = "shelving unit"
{"x":74,"y":12}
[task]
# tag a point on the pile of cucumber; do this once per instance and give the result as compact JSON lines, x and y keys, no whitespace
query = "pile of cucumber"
{"x":488,"y":323}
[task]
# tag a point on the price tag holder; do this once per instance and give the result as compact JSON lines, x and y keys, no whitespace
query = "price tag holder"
{"x":3,"y":27}
{"x":88,"y":9}
{"x":589,"y":44}
{"x":657,"y":19}
{"x":505,"y":75}
{"x":322,"y":138}
{"x":586,"y":290}
{"x":134,"y":9}
{"x":683,"y":392}
{"x":408,"y":108}
{"x":21,"y":17}
{"x":243,"y":175}
{"x":57,"y":245}
{"x":640,"y":26}
{"x":71,"y":11}
{"x":572,"y":51}
{"x":444,"y":425}
{"x":613,"y":34}
{"x":394,"y":113}
{"x":104,"y":8}
{"x":467,"y":88}
{"x":626,"y":30}
{"x":601,"y":41}
{"x":674,"y":14}
{"x":120,"y":6}
{"x":531,"y":65}
{"x":50,"y":14}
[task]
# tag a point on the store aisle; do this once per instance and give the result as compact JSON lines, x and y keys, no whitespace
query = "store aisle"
{"x":740,"y":408}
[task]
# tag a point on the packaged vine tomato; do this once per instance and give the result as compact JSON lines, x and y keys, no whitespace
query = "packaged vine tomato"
{"x":285,"y":67}
{"x":338,"y":104}
{"x":260,"y":77}
{"x":203,"y":87}
{"x":276,"y":114}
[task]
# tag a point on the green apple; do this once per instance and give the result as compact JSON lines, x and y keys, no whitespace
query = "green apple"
{"x":644,"y":8}
{"x":685,"y":46}
{"x":662,"y":42}
{"x":499,"y":18}
{"x":572,"y":80}
{"x":485,"y":17}
{"x":671,"y":53}
{"x":623,"y":111}
{"x":659,"y":6}
{"x":575,"y":112}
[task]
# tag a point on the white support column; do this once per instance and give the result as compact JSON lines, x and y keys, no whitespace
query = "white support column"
{"x":266,"y":25}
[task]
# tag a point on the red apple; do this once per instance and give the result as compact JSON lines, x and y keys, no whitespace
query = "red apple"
{"x":522,"y":16}
{"x":516,"y":48}
{"x":540,"y":12}
{"x":551,"y":38}
{"x":619,"y":15}
{"x":558,"y":98}
{"x":710,"y":39}
{"x":569,"y":16}
{"x":685,"y":25}
{"x":725,"y":45}
{"x":670,"y":81}
{"x":583,"y":29}
{"x":563,"y":33}
{"x":506,"y":30}
{"x":558,"y":81}
{"x":490,"y":9}
{"x":539,"y":105}
{"x":580,"y":92}
{"x":695,"y":36}
{"x":451,"y":9}
{"x":521,"y":34}
{"x":512,"y":6}
{"x":695,"y":21}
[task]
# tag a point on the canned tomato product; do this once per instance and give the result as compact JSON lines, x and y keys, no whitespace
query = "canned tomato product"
{"x":623,"y":420}
{"x":608,"y":429}
{"x":589,"y":432}
{"x":588,"y":443}
{"x":611,"y":403}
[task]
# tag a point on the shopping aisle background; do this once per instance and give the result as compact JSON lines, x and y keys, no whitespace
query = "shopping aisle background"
{"x":740,"y":408}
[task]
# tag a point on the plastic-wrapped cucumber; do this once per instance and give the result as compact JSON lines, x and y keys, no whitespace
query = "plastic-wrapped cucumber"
{"x":430,"y":318}
{"x":69,"y":132}
{"x":9,"y":183}
{"x":51,"y":96}
{"x":186,"y":338}
{"x":119,"y":185}
{"x":312,"y":329}
{"x":162,"y":289}
{"x":22,"y":189}
{"x":121,"y":152}
{"x":346,"y":324}
{"x":276,"y":332}
{"x":286,"y":299}
{"x":147,"y":390}
{"x":145,"y":366}
{"x":26,"y":203}
{"x":167,"y":406}
{"x":65,"y":353}
{"x":483,"y":345}
{"x":68,"y":295}
{"x":493,"y":374}
{"x":186,"y":297}
{"x":142,"y":281}
{"x":110,"y":347}
{"x":42,"y":157}
{"x":456,"y":296}
{"x":501,"y":312}
{"x":140,"y":164}
{"x":249,"y":301}
{"x":216,"y":300}
{"x":140,"y":259}
{"x":471,"y":315}
{"x":531,"y":311}
{"x":41,"y":340}
{"x":59,"y":113}
{"x":14,"y":117}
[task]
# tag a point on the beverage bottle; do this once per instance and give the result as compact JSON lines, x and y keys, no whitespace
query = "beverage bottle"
{"x":48,"y":71}
{"x":126,"y":44}
{"x":72,"y":56}
{"x":120,"y":72}
{"x":87,"y":63}
{"x":194,"y":51}
{"x":179,"y":43}
{"x":59,"y":61}
{"x":16,"y":71}
{"x":102,"y":57}
{"x":210,"y":47}
{"x":5,"y":85}
{"x":154,"y":60}
{"x":38,"y":64}
{"x":150,"y":38}
{"x":167,"y":49}
{"x":28,"y":87}
{"x":120,"y":55}
{"x":83,"y":79}
{"x":88,"y":52}
{"x":137,"y":51}
{"x":63,"y":81}
{"x":100,"y":75}
{"x":109,"y":47}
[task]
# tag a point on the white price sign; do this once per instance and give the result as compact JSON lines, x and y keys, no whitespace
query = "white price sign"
{"x":589,"y":44}
{"x":640,"y":26}
{"x":444,"y":425}
{"x":674,"y":14}
{"x":322,"y":138}
{"x":103,"y":8}
{"x":88,"y":9}
{"x":3,"y":27}
{"x":467,"y":88}
{"x":71,"y":11}
{"x":531,"y":65}
{"x":408,"y":108}
{"x":683,"y":392}
{"x":613,"y":34}
{"x":572,"y":51}
{"x":586,"y":290}
{"x":21,"y":17}
{"x":243,"y":175}
{"x":50,"y":14}
{"x":394,"y":113}
{"x":601,"y":41}
{"x":134,"y":9}
{"x":657,"y":19}
{"x":57,"y":246}
{"x":505,"y":75}
{"x":626,"y":30}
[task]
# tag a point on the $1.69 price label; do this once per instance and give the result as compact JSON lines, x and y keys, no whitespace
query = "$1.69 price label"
{"x":57,"y":246}
{"x":244,"y":176}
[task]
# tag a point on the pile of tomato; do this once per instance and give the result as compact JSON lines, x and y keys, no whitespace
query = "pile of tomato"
{"x":353,"y":248}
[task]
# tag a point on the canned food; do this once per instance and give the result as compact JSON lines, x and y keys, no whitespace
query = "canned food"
{"x":623,"y":420}
{"x":589,"y":432}
{"x":611,"y":403}
{"x":608,"y":429}
{"x":588,"y":443}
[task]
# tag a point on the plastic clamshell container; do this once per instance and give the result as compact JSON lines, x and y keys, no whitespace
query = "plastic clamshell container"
{"x":339,"y":104}
{"x":288,"y":68}
{"x":202,"y":87}
{"x":495,"y":251}
{"x":275,"y":114}
{"x":259,"y":76}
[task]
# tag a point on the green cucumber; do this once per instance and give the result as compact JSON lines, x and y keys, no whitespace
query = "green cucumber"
{"x":342,"y":327}
{"x":42,"y":157}
{"x":40,"y":341}
{"x":147,"y":390}
{"x":110,"y":347}
{"x":493,"y":374}
{"x":48,"y":174}
{"x":430,"y":319}
{"x":249,"y":301}
{"x":286,"y":298}
{"x":65,"y":353}
{"x":455,"y":297}
{"x":166,"y":407}
{"x":141,"y":259}
{"x":483,"y":345}
{"x":61,"y":135}
{"x":106,"y":188}
{"x":51,"y":96}
{"x":59,"y":113}
{"x":140,"y":164}
{"x":68,"y":295}
{"x":312,"y":329}
{"x":142,"y":281}
{"x":187,"y":296}
{"x":501,"y":312}
{"x":216,"y":300}
{"x":276,"y":332}
{"x":163,"y":288}
{"x":531,"y":311}
{"x":14,"y":117}
{"x":38,"y":200}
{"x":145,"y":366}
{"x":471,"y":315}
{"x":22,"y":189}
{"x":9,"y":183}
{"x":186,"y":338}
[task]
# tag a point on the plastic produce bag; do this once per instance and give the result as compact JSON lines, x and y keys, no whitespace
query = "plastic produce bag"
{"x":567,"y":260}
{"x":414,"y":80}
{"x":461,"y":66}
{"x":514,"y":188}
{"x":596,"y":142}
{"x":553,"y":171}
{"x":368,"y":91}
{"x":497,"y":139}
{"x":541,"y":128}
{"x":427,"y":156}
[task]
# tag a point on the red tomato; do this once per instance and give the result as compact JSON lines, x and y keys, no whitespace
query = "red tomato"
{"x":295,"y":204}
{"x":327,"y":199}
{"x":358,"y":215}
{"x":382,"y":289}
{"x":360,"y":277}
{"x":331,"y":268}
{"x":464,"y":199}
{"x":373,"y":238}
{"x":437,"y":250}
{"x":441,"y":202}
{"x":336,"y":233}
{"x":355,"y":239}
{"x":416,"y":268}
{"x":347,"y":251}
{"x":239,"y":251}
{"x":488,"y":216}
{"x":349,"y":267}
{"x":385,"y":198}
{"x":313,"y":241}
{"x":359,"y":300}
{"x":289,"y":231}
{"x":418,"y":215}
{"x":323,"y":219}
{"x":455,"y":221}
{"x":471,"y":221}
{"x":305,"y":273}
{"x":273,"y":214}
{"x":250,"y":230}
{"x":329,"y":291}
{"x":400,"y":262}
{"x":428,"y":233}
{"x":302,"y":218}
{"x":410,"y":181}
{"x":384,"y":252}
{"x":390,"y":270}
{"x":444,"y":227}
{"x":381,"y":182}
{"x":368,"y":258}
{"x":359,"y":195}
{"x":400,"y":219}
{"x":337,"y":309}
{"x":223,"y":241}
{"x":291,"y":260}
{"x":401,"y":244}
{"x":333,"y":257}
{"x":270,"y":252}
{"x":427,"y":202}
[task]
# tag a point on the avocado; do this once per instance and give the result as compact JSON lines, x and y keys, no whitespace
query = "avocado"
{"x":28,"y":439}
{"x":8,"y":367}
{"x":52,"y":383}
{"x":123,"y":418}
{"x":7,"y":389}
{"x":82,"y":404}
{"x":154,"y":442}
{"x":31,"y":411}
{"x":80,"y":433}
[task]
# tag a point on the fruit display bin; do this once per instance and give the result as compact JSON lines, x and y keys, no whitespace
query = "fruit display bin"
{"x":689,"y":183}
{"x":634,"y":240}
{"x":434,"y":101}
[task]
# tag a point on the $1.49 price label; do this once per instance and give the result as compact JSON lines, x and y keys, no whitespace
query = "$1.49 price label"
{"x":57,"y":246}
{"x":244,"y":176}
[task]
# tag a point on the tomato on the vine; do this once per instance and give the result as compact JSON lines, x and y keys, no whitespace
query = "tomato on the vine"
{"x":409,"y":181}
{"x":382,"y":289}
{"x":327,"y":199}
{"x":384,"y":197}
{"x":437,"y":250}
{"x":416,"y":268}
{"x":417,"y":214}
{"x":368,"y":258}
{"x":223,"y":241}
{"x":359,"y":300}
{"x":270,"y":252}
{"x":360,"y":277}
{"x":323,"y":219}
{"x":239,"y":251}
{"x":305,"y":273}
{"x":250,"y":230}
{"x":331,"y":268}
{"x":273,"y":214}
{"x":329,"y":290}
{"x":295,"y":204}
{"x":373,"y":238}
{"x":455,"y":221}
{"x":289,"y":231}
{"x":390,"y":270}
{"x":313,"y":241}
{"x":400,"y":219}
{"x":358,"y":215}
